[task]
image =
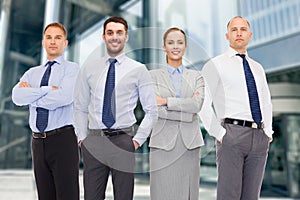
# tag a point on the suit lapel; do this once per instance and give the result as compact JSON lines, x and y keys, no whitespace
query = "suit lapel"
{"x":185,"y":85}
{"x":167,"y":80}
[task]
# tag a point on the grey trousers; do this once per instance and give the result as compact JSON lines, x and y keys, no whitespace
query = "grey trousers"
{"x":241,"y":160}
{"x":103,"y":155}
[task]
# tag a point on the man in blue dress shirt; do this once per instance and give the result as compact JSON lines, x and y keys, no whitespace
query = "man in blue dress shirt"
{"x":48,"y":91}
{"x":104,"y":123}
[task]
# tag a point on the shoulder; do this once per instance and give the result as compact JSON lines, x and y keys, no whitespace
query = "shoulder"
{"x":72,"y":64}
{"x":256,"y":64}
{"x":193,"y":72}
{"x":156,"y":71}
{"x":133,"y":63}
{"x":34,"y":69}
{"x":219,"y":58}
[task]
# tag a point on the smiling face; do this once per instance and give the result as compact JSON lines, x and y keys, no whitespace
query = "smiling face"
{"x":115,"y":37}
{"x":174,"y":46}
{"x":54,"y":42}
{"x":238,"y":34}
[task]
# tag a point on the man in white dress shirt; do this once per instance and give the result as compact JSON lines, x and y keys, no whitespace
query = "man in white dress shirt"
{"x":240,"y":122}
{"x":105,"y":127}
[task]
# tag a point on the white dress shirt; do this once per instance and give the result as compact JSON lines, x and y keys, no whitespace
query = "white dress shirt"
{"x":132,"y":82}
{"x":227,"y":96}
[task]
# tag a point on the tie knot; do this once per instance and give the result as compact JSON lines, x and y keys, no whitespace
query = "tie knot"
{"x":50,"y":63}
{"x":112,"y":60}
{"x":241,"y":55}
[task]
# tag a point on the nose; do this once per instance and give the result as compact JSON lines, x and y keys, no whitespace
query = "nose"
{"x":175,"y":45}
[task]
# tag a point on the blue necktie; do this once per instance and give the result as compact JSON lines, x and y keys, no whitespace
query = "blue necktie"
{"x":252,"y":91}
{"x":109,"y":102}
{"x":42,"y":113}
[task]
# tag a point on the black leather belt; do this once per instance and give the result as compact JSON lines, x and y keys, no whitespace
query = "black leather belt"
{"x":52,"y":132}
{"x":243,"y":123}
{"x":111,"y":132}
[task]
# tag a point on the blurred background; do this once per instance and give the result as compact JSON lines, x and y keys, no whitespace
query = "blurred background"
{"x":276,"y":39}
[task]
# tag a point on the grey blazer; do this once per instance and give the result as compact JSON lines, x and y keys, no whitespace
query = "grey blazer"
{"x":180,"y":117}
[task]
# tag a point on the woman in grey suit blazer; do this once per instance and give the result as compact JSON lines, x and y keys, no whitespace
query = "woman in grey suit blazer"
{"x":176,"y":138}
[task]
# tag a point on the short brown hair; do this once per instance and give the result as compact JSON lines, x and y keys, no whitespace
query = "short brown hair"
{"x":58,"y":25}
{"x":115,"y":19}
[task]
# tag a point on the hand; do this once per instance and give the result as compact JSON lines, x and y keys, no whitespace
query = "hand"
{"x":79,"y":143}
{"x":54,"y":88}
{"x":270,"y":139}
{"x":161,"y":101}
{"x":24,"y":84}
{"x":196,"y":94}
{"x":136,"y":144}
{"x":221,"y":140}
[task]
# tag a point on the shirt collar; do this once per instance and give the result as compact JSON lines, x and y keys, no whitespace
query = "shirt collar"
{"x":119,"y":58}
{"x":172,"y":70}
{"x":231,"y":52}
{"x":58,"y":60}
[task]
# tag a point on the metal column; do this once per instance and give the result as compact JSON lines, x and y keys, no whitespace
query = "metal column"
{"x":52,"y":9}
{"x":4,"y":24}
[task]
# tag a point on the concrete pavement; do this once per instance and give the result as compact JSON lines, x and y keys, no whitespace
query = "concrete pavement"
{"x":20,"y":185}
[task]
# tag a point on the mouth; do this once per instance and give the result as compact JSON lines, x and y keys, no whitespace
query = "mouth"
{"x":175,"y":52}
{"x":114,"y":43}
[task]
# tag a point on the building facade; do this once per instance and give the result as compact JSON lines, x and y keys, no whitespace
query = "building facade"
{"x":276,"y":38}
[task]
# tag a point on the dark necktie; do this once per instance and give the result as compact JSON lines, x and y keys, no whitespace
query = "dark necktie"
{"x":42,"y":113}
{"x":252,"y":91}
{"x":109,"y":102}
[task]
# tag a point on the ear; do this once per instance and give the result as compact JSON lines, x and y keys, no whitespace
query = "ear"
{"x":127,"y":37}
{"x":43,"y":43}
{"x":103,"y":37}
{"x":227,"y":36}
{"x":164,"y":48}
{"x":250,"y":36}
{"x":66,"y":43}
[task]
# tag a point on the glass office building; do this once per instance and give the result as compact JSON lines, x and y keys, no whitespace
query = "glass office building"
{"x":276,"y":37}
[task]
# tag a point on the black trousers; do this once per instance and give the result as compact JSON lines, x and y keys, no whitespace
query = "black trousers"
{"x":103,"y":155}
{"x":56,"y":166}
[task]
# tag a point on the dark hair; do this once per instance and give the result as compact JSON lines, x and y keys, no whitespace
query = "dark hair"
{"x":240,"y":18}
{"x":115,"y":19}
{"x":58,"y":25}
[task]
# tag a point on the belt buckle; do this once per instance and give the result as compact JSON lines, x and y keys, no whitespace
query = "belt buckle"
{"x":235,"y":122}
{"x":254,"y":125}
{"x":41,"y":135}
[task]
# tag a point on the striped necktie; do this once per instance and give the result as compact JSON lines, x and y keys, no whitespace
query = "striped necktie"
{"x":109,"y":102}
{"x":252,"y":91}
{"x":42,"y":113}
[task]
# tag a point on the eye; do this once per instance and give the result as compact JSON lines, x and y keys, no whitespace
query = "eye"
{"x":109,"y":33}
{"x":120,"y":33}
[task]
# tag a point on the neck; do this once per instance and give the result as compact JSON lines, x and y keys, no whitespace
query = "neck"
{"x":240,"y":50}
{"x":175,"y":64}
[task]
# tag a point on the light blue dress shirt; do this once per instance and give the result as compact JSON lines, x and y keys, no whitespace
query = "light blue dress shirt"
{"x":58,"y":102}
{"x":176,"y":78}
{"x":132,"y":82}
